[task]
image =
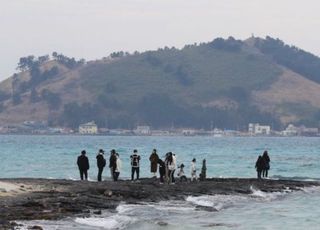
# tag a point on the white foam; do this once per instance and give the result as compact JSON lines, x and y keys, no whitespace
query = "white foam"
{"x":268,"y":196}
{"x":217,"y":201}
{"x":311,"y":190}
{"x":111,"y":222}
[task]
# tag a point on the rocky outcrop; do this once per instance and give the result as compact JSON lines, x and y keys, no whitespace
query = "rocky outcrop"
{"x":56,"y":199}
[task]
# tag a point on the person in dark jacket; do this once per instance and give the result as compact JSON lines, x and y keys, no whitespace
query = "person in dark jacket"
{"x":135,"y":164}
{"x":101,"y":163}
{"x":259,"y":166}
{"x":162,"y":170}
{"x":83,"y":165}
{"x":154,"y":162}
{"x":113,"y":163}
{"x":266,"y":167}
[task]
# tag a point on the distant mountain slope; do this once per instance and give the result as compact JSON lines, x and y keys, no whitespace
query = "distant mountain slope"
{"x":225,"y":83}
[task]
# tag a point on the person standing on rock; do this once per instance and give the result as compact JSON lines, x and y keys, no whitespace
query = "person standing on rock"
{"x":259,"y":166}
{"x":162,"y":170}
{"x":83,"y":165}
{"x":266,"y":167}
{"x":118,"y":167}
{"x":154,"y":162}
{"x":193,"y":170}
{"x":101,"y":163}
{"x":112,"y":163}
{"x":135,"y":164}
{"x":171,"y":168}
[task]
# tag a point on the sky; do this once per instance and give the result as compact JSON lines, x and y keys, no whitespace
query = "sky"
{"x":92,"y":29}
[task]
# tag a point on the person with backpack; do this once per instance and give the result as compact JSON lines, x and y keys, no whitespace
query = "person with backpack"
{"x":83,"y":165}
{"x":135,"y":167}
{"x":101,"y":163}
{"x":181,"y":174}
{"x":113,"y":163}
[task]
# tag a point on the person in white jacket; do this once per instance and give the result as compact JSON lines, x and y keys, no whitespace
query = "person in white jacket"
{"x":193,"y":169}
{"x":118,"y":167}
{"x":171,"y":167}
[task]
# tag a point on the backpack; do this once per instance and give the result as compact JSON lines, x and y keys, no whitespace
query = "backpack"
{"x":135,"y":161}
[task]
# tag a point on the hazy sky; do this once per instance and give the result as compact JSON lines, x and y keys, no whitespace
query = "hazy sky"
{"x":94,"y":28}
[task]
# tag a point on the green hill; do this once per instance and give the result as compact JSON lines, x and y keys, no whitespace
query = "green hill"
{"x":226,"y":82}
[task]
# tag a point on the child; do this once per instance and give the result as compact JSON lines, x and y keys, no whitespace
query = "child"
{"x":181,"y":173}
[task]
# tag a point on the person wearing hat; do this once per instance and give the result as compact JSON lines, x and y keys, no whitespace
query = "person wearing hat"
{"x":83,"y":165}
{"x":101,"y":163}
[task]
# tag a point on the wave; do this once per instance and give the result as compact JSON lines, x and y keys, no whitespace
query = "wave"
{"x":299,"y":178}
{"x":111,"y":222}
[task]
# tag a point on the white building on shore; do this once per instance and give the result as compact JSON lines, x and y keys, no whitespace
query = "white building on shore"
{"x":88,"y":128}
{"x":257,"y":129}
{"x":142,"y":130}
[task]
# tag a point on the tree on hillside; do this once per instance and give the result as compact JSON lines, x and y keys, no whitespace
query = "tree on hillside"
{"x":34,"y":96}
{"x":53,"y":99}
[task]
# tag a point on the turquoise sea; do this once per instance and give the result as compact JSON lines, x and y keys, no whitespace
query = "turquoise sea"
{"x":292,"y":158}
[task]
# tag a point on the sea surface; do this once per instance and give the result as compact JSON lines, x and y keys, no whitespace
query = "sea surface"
{"x":296,"y":158}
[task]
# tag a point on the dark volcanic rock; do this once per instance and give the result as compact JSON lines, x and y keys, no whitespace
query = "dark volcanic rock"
{"x":62,"y":198}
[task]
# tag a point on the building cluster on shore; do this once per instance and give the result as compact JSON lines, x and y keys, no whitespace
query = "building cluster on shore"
{"x":91,"y":128}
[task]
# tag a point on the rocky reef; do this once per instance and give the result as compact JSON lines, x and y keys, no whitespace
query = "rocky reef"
{"x":57,"y":199}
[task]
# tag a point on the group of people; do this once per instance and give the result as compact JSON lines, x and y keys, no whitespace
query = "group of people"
{"x":263,"y":165}
{"x":166,"y":166}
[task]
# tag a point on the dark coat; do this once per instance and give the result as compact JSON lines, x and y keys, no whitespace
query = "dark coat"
{"x":162,"y":167}
{"x":83,"y":162}
{"x":154,"y":162}
{"x":113,"y":161}
{"x":260,"y":164}
{"x":266,"y":160}
{"x":101,"y":162}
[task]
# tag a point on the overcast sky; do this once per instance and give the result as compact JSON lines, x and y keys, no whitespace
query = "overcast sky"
{"x":92,"y":29}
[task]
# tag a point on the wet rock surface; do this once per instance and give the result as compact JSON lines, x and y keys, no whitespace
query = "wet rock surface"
{"x":58,"y":199}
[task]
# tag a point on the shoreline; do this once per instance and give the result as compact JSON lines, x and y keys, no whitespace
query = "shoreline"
{"x":53,"y":199}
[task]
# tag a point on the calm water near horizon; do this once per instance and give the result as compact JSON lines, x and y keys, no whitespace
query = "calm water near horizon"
{"x":295,"y":158}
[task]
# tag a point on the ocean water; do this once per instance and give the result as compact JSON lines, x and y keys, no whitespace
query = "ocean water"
{"x":292,"y":158}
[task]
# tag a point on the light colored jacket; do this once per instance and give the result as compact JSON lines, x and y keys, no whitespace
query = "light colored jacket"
{"x":119,"y":165}
{"x":193,"y":168}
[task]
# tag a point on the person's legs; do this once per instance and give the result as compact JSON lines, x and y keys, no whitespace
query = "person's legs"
{"x":100,"y":174}
{"x":86,"y":174}
{"x":137,"y":170}
{"x":132,"y":172}
{"x":259,"y":174}
{"x":81,"y":174}
{"x":266,"y":172}
{"x":173,"y":179}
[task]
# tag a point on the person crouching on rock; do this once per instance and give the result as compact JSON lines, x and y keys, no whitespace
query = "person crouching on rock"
{"x":101,"y":163}
{"x":83,"y":165}
{"x":135,"y":167}
{"x":259,"y":166}
{"x":181,"y":174}
{"x":112,"y":163}
{"x":193,"y":169}
{"x":162,"y":170}
{"x":118,"y":167}
{"x":154,"y":162}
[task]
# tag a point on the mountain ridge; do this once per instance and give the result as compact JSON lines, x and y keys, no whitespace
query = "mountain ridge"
{"x":227,"y":82}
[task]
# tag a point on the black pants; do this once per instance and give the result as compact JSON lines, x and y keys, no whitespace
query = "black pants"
{"x":100,"y":173}
{"x":259,"y":174}
{"x":133,"y":170}
{"x":265,"y":173}
{"x":116,"y":176}
{"x":83,"y":172}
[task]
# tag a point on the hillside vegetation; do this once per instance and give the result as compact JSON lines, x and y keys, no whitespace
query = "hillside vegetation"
{"x":226,"y":83}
